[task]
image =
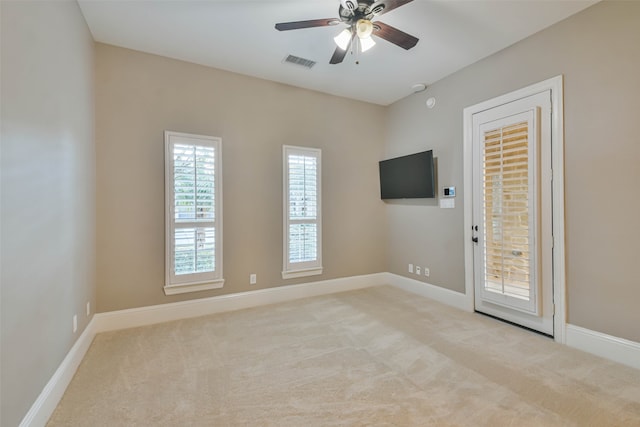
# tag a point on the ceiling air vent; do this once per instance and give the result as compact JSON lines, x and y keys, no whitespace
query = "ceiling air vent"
{"x":296,"y":60}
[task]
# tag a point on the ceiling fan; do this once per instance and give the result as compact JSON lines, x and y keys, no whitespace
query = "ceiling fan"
{"x":359,"y":16}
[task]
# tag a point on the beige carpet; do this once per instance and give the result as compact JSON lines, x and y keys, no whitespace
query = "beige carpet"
{"x":375,"y":357}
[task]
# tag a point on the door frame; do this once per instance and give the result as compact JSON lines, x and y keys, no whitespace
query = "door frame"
{"x":555,"y":85}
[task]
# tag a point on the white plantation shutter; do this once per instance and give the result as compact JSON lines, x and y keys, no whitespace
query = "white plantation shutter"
{"x":507,"y":211}
{"x":193,"y":226}
{"x":302,"y":208}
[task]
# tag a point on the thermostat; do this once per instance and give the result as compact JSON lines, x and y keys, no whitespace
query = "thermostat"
{"x":449,"y":192}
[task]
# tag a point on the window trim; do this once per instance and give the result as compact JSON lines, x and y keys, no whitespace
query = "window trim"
{"x":199,"y":281}
{"x":311,"y":268}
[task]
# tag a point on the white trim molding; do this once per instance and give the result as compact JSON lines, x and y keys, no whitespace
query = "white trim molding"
{"x":193,"y":287}
{"x":437,"y":293}
{"x":149,"y":315}
{"x":613,"y":348}
{"x":50,"y":396}
{"x":293,"y":274}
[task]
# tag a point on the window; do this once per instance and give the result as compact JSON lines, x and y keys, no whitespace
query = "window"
{"x":302,"y":212}
{"x":193,"y":213}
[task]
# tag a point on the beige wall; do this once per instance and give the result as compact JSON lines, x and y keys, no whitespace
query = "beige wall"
{"x":139,"y":95}
{"x":598,"y":53}
{"x":47,"y":193}
{"x":48,"y":217}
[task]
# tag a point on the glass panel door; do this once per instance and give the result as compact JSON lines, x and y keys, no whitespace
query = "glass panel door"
{"x":512,"y":230}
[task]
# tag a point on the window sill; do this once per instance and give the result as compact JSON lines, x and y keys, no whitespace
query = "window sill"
{"x":292,"y":274}
{"x":193,"y":287}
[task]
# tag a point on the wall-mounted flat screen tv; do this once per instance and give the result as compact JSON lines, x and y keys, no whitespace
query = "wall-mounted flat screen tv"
{"x":408,"y":177}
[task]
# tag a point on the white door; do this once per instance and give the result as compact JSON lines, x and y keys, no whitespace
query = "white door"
{"x":512,"y":212}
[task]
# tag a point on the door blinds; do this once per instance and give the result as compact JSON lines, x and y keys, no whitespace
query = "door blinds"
{"x":506,"y":210}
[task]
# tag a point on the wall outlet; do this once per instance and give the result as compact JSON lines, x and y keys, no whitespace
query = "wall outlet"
{"x":253,"y":278}
{"x":410,"y":268}
{"x":426,"y":272}
{"x":418,"y":271}
{"x":75,"y":323}
{"x":88,"y":308}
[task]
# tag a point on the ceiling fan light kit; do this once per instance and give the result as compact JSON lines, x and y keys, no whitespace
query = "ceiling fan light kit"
{"x":358,"y":15}
{"x":364,"y":28}
{"x":366,"y":44}
{"x":343,"y":39}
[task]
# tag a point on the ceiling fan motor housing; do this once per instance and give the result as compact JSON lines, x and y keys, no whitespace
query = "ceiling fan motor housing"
{"x":351,"y":11}
{"x":349,"y":4}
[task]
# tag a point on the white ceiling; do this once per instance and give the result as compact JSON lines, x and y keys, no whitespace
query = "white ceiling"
{"x":239,"y":36}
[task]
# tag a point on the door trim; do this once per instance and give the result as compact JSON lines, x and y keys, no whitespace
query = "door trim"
{"x":555,"y":84}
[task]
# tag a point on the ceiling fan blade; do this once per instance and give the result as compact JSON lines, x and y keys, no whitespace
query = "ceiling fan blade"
{"x":296,"y":25}
{"x":338,"y":56}
{"x":393,"y":35}
{"x":382,"y":7}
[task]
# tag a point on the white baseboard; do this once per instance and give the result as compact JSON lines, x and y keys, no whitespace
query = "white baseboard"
{"x":613,"y":348}
{"x":52,"y":392}
{"x":607,"y":346}
{"x":142,"y":316}
{"x":437,"y":293}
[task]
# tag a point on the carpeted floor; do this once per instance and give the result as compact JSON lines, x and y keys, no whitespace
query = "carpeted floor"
{"x":373,"y":357}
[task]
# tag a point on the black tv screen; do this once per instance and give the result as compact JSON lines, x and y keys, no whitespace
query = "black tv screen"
{"x":408,"y":177}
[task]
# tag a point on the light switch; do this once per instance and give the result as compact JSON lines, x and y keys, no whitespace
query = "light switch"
{"x":449,"y":192}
